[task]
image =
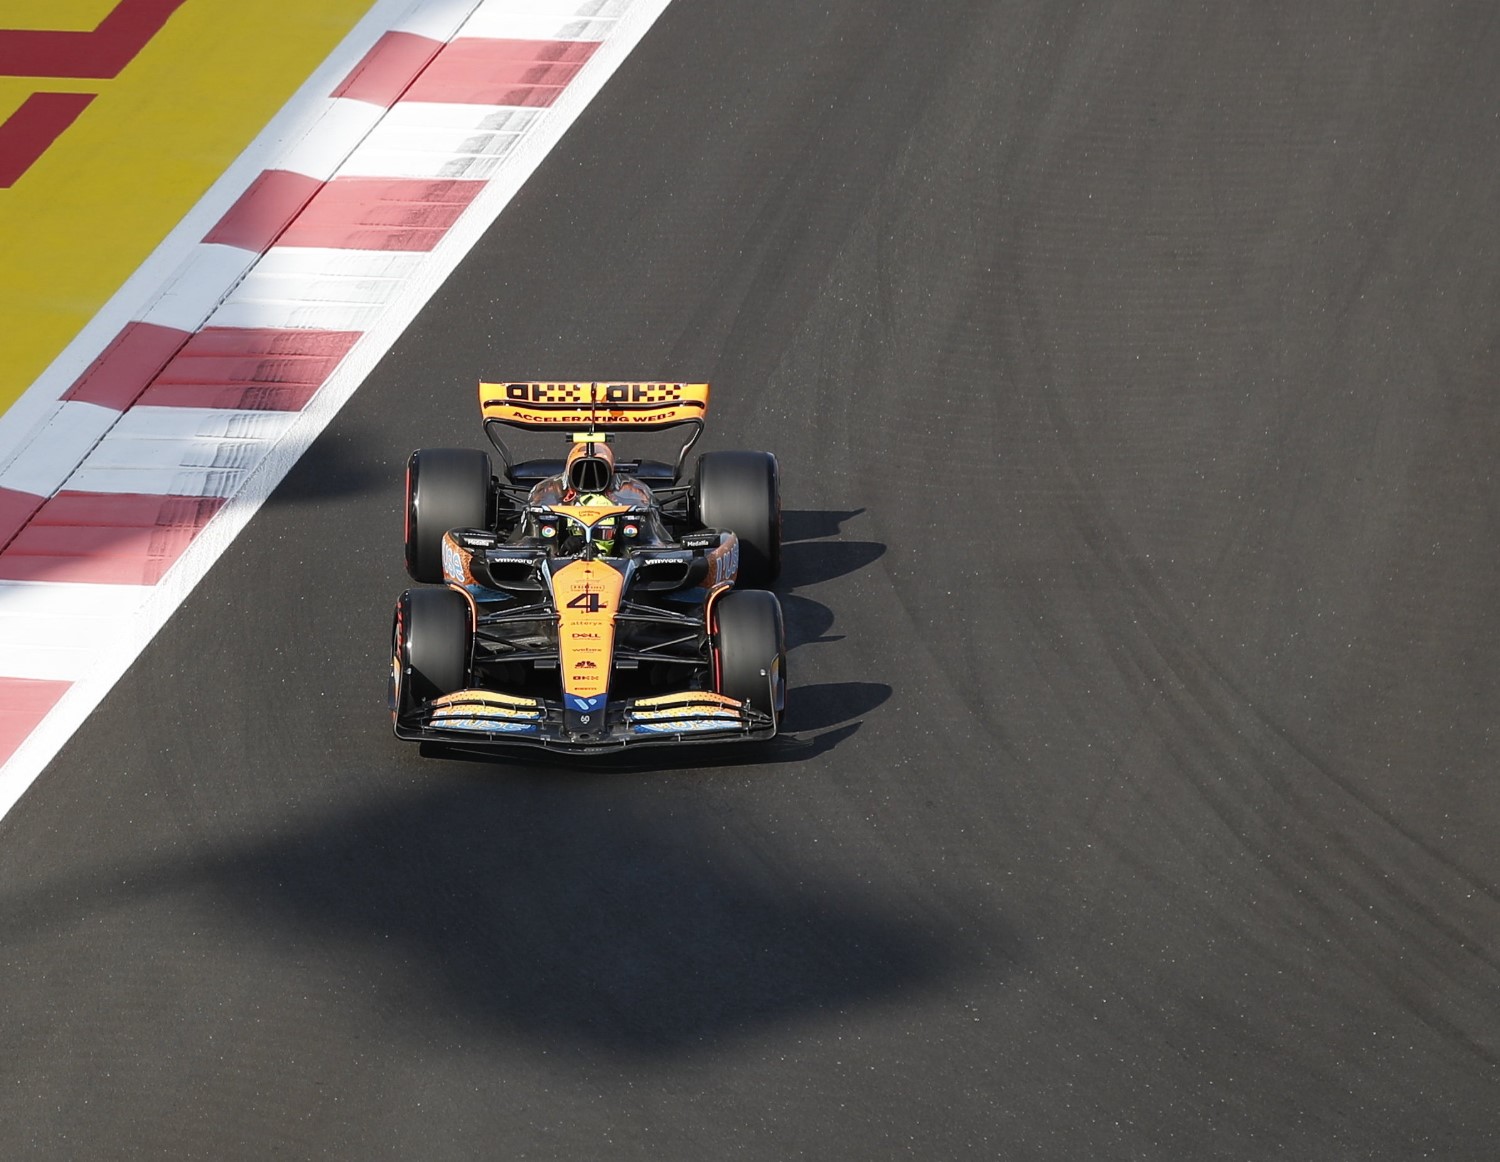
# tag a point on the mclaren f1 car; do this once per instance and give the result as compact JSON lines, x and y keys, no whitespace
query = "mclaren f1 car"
{"x":585,"y":604}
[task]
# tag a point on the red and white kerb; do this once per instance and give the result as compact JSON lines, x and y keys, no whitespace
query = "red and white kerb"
{"x":148,"y":446}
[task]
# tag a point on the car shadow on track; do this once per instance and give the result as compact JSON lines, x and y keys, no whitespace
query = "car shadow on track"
{"x":812,"y":524}
{"x":575,"y":914}
{"x":810,"y":557}
{"x":341,"y":463}
{"x":810,"y":554}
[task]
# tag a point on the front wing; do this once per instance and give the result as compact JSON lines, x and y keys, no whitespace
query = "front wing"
{"x":487,"y":718}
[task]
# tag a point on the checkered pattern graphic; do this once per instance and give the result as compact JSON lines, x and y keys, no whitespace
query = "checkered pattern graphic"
{"x":138,"y":457}
{"x":604,"y":393}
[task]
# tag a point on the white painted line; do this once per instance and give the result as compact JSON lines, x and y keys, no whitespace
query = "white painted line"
{"x":127,"y":454}
{"x":285,"y":313}
{"x":40,"y":600}
{"x":413,"y":152}
{"x":199,"y":285}
{"x":66,"y":438}
{"x":57,"y":632}
{"x":305,"y":263}
{"x":548,"y":19}
{"x":157,"y":481}
{"x":427,"y":116}
{"x":332,"y":290}
{"x":437,"y":20}
{"x":342,"y":126}
{"x":169,"y":423}
{"x":517,"y":27}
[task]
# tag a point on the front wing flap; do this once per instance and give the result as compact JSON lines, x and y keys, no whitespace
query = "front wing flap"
{"x":490,"y":718}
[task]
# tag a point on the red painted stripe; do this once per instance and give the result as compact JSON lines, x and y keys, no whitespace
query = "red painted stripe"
{"x":106,"y":546}
{"x":232,"y":397}
{"x":16,"y":508}
{"x":381,"y":213}
{"x":270,"y":341}
{"x":394,"y":63}
{"x":255,"y":369}
{"x":264,"y":210}
{"x":100,"y":53}
{"x":30,"y":131}
{"x":109,"y":539}
{"x":128,"y":510}
{"x":24,"y":702}
{"x":123,"y":370}
{"x":501,"y":72}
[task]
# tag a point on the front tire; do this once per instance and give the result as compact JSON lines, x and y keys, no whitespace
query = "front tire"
{"x":749,"y":642}
{"x":446,"y":488}
{"x":741,"y":492}
{"x":432,"y":639}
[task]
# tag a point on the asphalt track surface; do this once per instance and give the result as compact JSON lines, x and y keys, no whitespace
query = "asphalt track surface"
{"x":1132,"y":369}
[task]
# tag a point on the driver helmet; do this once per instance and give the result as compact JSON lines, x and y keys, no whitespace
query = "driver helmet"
{"x":591,"y":468}
{"x":604,"y":530}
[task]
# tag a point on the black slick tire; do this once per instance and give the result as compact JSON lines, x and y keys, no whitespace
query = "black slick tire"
{"x":446,"y":488}
{"x":432,"y":639}
{"x":741,"y":492}
{"x":750,"y":649}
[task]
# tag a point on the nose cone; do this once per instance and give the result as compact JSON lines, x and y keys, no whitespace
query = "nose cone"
{"x":584,"y":717}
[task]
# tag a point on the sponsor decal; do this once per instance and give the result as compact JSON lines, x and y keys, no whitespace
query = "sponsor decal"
{"x":493,"y":700}
{"x":587,"y":594}
{"x":455,"y":563}
{"x":616,"y":419}
{"x":695,"y":698}
{"x":642,"y":392}
{"x":616,"y":393}
{"x":686,"y":726}
{"x":485,"y":725}
{"x":726,"y":563}
{"x":687,"y":709}
{"x":544,"y":392}
{"x":585,"y":664}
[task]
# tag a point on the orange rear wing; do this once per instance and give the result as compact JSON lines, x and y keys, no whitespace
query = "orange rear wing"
{"x":593,"y":407}
{"x":598,"y":406}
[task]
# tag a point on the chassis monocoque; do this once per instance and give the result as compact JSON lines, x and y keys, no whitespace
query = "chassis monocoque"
{"x":592,"y":627}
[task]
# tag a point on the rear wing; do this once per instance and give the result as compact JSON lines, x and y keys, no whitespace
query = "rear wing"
{"x":601,"y":406}
{"x":593,"y":407}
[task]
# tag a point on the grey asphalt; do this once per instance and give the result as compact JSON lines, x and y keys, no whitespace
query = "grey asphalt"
{"x":1133,"y":371}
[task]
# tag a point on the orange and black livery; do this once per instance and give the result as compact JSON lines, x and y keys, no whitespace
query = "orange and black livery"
{"x":588,"y":603}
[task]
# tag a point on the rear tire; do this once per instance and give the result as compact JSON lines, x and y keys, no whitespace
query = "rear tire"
{"x":432,"y":639}
{"x":741,"y":492}
{"x":750,"y":649}
{"x":446,"y":488}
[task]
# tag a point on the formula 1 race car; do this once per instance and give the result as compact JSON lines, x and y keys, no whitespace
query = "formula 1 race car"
{"x":588,"y":605}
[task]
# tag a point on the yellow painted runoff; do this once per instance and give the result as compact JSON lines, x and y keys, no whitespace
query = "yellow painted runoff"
{"x":63,"y":15}
{"x":90,"y":209}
